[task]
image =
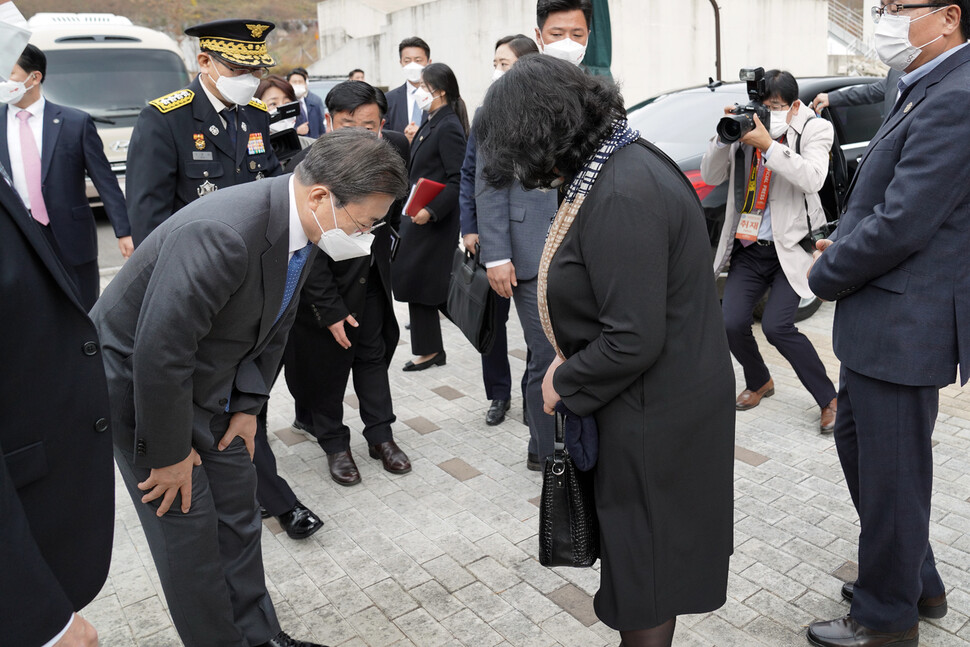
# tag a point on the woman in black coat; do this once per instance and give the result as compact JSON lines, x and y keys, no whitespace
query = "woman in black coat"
{"x":630,"y":305}
{"x":423,"y":265}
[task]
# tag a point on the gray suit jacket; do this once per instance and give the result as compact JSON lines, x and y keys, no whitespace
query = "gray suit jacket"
{"x":883,"y":91}
{"x":898,"y":264}
{"x":512,"y":223}
{"x":190,"y":326}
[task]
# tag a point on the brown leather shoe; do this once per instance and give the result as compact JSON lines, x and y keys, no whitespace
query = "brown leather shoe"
{"x":846,"y":632}
{"x":393,"y":457}
{"x":934,"y":607}
{"x":749,"y":399}
{"x":826,"y":423}
{"x":343,"y":469}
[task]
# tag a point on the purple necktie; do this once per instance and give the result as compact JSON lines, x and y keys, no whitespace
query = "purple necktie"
{"x":31,"y":158}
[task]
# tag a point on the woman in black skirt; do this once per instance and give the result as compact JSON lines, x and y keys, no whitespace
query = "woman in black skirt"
{"x":627,"y":299}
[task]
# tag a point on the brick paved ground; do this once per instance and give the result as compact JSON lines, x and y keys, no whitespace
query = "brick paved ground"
{"x":446,"y":555}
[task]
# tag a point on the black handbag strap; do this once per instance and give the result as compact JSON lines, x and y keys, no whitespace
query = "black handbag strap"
{"x":559,"y":451}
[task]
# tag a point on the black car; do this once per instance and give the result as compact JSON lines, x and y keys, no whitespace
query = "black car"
{"x":681,"y":123}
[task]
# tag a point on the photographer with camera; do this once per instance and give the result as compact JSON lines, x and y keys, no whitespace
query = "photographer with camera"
{"x":775,"y":155}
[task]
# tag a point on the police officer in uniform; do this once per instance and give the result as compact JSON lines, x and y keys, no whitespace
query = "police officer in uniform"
{"x":209,"y":136}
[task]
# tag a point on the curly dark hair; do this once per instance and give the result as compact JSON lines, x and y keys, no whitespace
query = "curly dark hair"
{"x":542,"y":120}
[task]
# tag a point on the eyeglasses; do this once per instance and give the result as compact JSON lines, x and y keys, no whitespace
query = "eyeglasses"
{"x":362,"y":229}
{"x":893,"y":8}
{"x":777,"y":107}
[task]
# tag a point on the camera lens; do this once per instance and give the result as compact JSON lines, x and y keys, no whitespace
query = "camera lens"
{"x":731,"y":129}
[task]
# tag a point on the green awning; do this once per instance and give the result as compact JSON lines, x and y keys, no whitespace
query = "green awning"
{"x":599,"y":49}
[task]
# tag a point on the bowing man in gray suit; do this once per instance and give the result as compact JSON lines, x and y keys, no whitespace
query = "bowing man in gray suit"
{"x":193,"y":329}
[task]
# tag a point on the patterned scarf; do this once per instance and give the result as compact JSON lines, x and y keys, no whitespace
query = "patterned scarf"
{"x":622,"y":135}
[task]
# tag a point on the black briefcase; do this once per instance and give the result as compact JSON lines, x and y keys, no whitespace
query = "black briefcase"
{"x":471,"y":301}
{"x":569,"y":533}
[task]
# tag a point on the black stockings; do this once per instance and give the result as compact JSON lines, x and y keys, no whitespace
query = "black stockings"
{"x":660,"y":636}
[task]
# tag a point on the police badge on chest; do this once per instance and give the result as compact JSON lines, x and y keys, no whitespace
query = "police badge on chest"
{"x":205,"y":188}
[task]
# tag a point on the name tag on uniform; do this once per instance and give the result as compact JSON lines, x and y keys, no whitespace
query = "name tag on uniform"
{"x":201,"y":156}
{"x":256,"y":145}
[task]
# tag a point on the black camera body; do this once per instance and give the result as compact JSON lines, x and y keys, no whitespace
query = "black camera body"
{"x":741,"y":121}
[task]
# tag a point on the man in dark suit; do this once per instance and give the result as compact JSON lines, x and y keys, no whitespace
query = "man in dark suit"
{"x":896,"y":266}
{"x":197,"y":140}
{"x":346,"y":322}
{"x":56,"y":477}
{"x":311,"y":120}
{"x":47,"y":149}
{"x":208,"y":136}
{"x":884,"y":91}
{"x":403,"y":113}
{"x":194,"y":328}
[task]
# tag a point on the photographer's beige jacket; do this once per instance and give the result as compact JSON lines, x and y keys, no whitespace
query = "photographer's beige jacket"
{"x":796,"y":177}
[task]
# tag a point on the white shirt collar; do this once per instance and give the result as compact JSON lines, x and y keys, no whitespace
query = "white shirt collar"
{"x":298,"y":237}
{"x":217,"y":105}
{"x":36,"y":109}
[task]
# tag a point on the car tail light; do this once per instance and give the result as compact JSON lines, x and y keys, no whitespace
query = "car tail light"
{"x":700,"y":187}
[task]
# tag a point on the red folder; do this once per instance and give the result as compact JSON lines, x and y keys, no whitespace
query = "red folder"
{"x":421,"y":194}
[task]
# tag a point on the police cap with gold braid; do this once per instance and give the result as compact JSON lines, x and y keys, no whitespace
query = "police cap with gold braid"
{"x":238,"y":42}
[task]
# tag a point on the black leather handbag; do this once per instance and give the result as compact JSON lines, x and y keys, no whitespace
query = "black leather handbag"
{"x":569,"y":533}
{"x":471,"y":301}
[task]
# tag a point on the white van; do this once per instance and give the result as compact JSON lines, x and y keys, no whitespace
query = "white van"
{"x":109,"y":68}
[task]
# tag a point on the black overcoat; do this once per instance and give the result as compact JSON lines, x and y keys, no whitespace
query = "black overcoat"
{"x":56,"y":471}
{"x":636,"y":315}
{"x":423,"y":265}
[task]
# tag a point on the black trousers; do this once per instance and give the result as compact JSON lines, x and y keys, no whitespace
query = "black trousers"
{"x":426,"y":328}
{"x":755,"y":269}
{"x":496,"y":373}
{"x":883,"y":433}
{"x":272,"y":490}
{"x":325,"y":415}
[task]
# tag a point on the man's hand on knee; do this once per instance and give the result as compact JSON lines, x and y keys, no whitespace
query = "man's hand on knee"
{"x":168,"y":482}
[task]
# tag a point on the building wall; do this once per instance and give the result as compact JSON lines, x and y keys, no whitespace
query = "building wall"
{"x":657,"y":45}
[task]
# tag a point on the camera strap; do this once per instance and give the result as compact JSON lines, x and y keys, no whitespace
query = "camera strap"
{"x":755,"y":199}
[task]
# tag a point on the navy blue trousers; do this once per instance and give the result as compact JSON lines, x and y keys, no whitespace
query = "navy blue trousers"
{"x":883,"y":433}
{"x":755,"y":269}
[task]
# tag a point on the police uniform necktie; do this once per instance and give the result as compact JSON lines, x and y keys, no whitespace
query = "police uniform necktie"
{"x":230,"y":117}
{"x":31,"y":157}
{"x":293,"y":271}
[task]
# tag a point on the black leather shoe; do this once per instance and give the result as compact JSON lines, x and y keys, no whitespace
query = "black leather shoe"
{"x":846,"y":632}
{"x":393,"y":457}
{"x":299,"y":426}
{"x":343,"y":469}
{"x":496,"y":412}
{"x":437,"y":360}
{"x":532,"y":462}
{"x":263,"y":514}
{"x":300,"y":523}
{"x":283,"y":640}
{"x":934,"y":608}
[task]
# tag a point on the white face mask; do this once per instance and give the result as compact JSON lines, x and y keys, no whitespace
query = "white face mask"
{"x":892,"y":40}
{"x":566,"y":50}
{"x":239,"y":90}
{"x":424,"y":99}
{"x":282,"y":124}
{"x":497,"y":74}
{"x":779,"y":124}
{"x":13,"y":91}
{"x":412,"y":72}
{"x":299,"y":90}
{"x":338,"y":244}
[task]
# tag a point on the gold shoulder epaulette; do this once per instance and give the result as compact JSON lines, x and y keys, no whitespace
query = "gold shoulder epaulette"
{"x":174,"y":100}
{"x":256,"y":103}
